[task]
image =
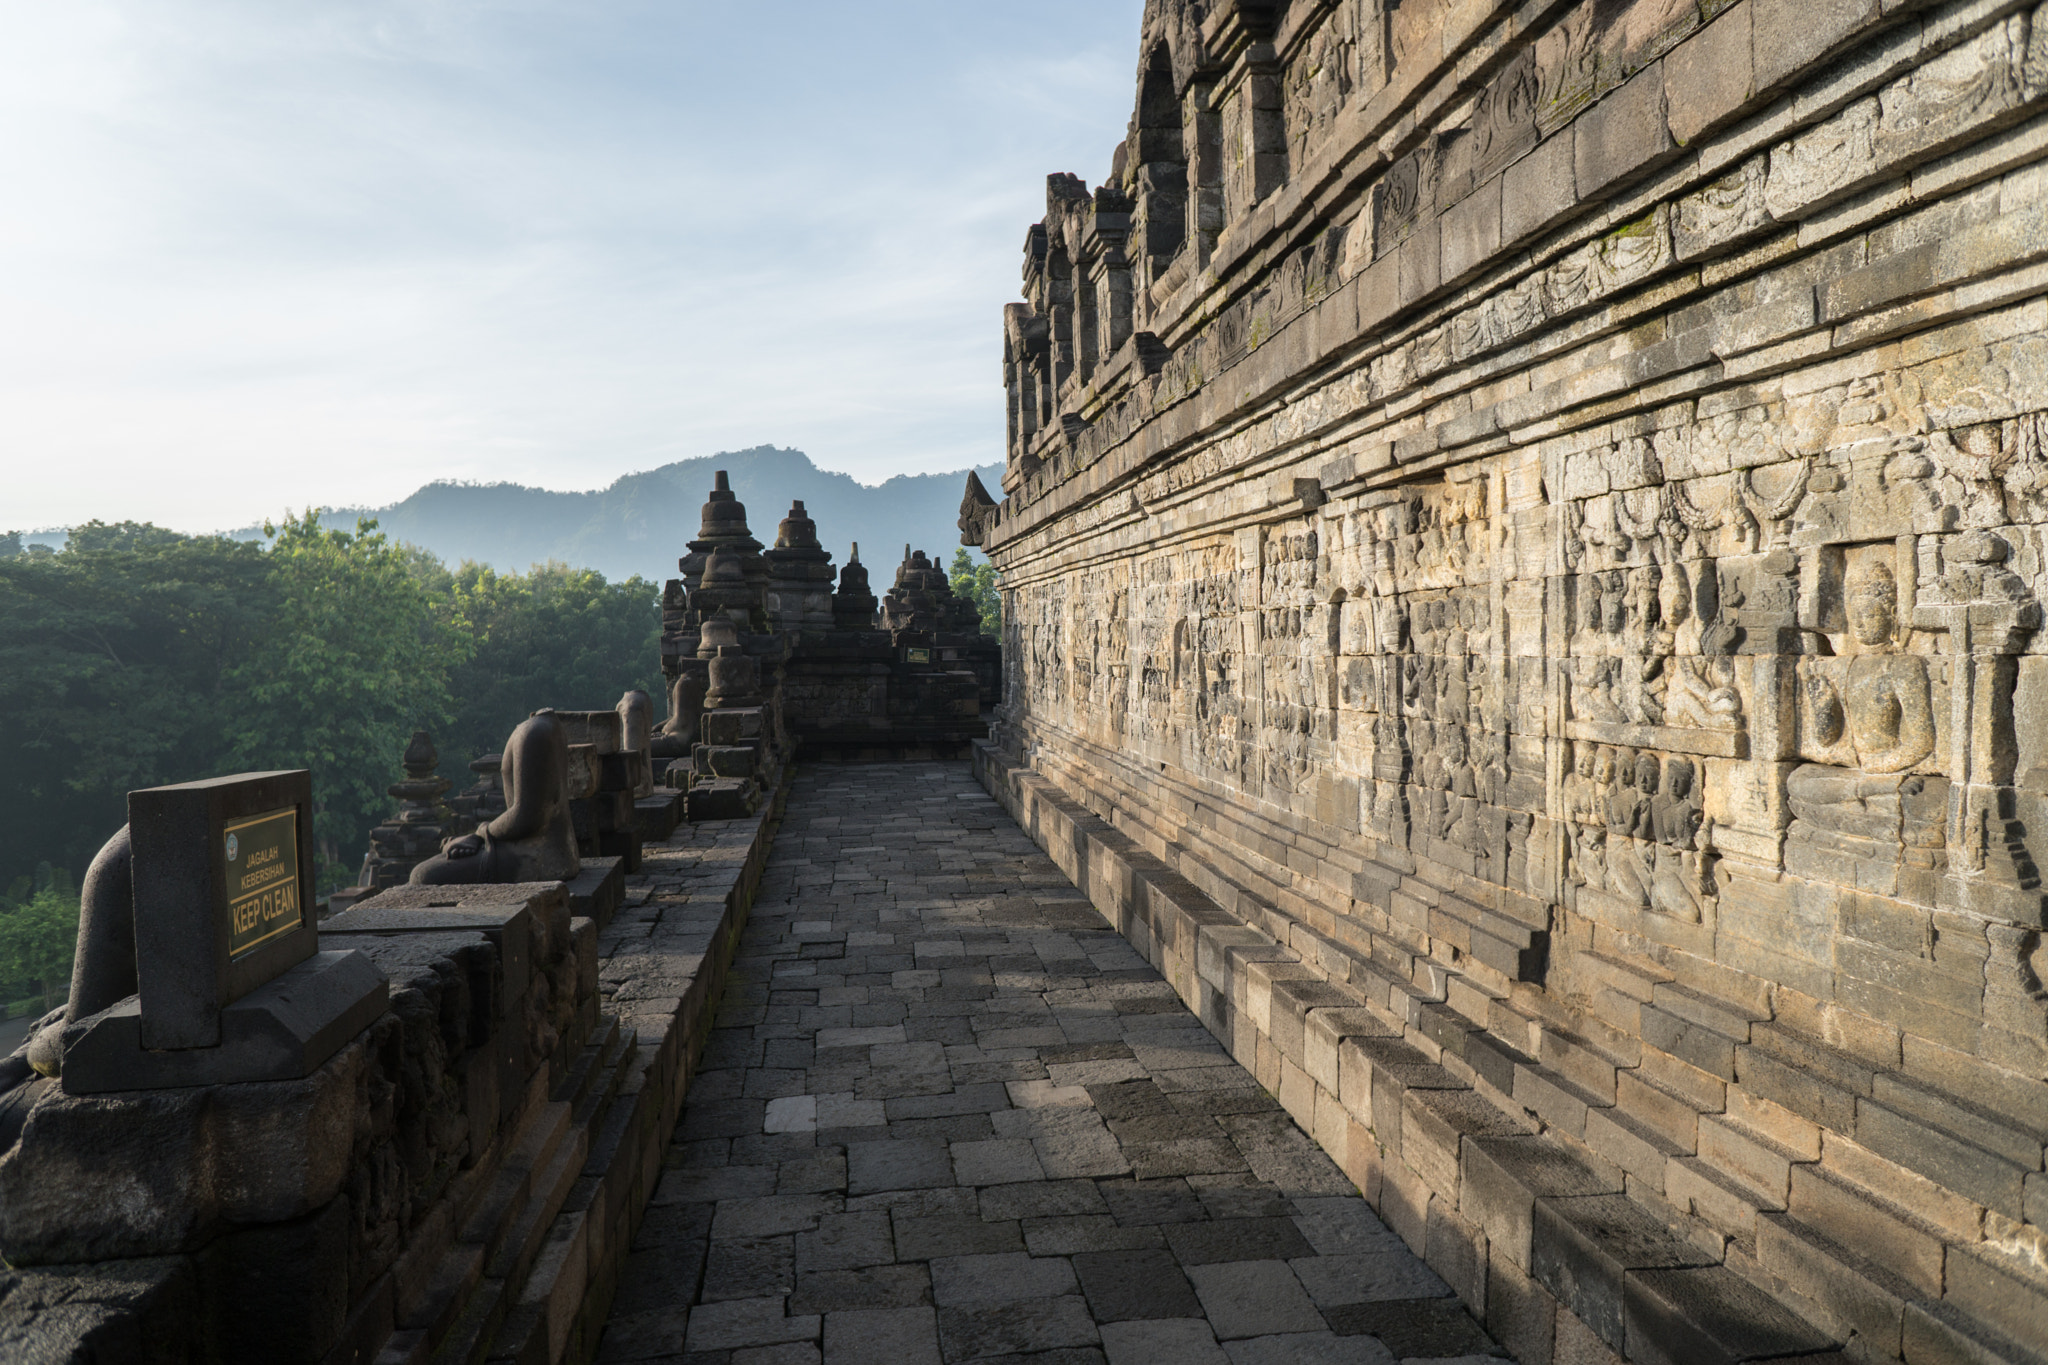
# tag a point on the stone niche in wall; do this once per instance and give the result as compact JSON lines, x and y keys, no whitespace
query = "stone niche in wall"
{"x":1553,"y":552}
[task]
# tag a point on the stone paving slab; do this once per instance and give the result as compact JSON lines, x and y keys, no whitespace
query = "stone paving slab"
{"x":948,"y":1115}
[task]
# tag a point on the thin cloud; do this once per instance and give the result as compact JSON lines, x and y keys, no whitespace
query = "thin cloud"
{"x":323,"y":254}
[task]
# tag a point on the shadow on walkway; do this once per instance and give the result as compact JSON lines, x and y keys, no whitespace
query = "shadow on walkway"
{"x":949,"y":1115}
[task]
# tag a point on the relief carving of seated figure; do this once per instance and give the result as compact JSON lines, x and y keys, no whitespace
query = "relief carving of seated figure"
{"x":1890,"y":713}
{"x":534,"y":840}
{"x":1887,"y":713}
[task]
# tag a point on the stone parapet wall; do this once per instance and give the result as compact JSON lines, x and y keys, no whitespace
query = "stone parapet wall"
{"x":461,"y":1183}
{"x":1532,"y":521}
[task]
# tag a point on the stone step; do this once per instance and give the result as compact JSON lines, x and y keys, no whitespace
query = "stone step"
{"x":468,"y":1342}
{"x":622,"y":1049}
{"x":1712,"y":1316}
{"x":1583,"y":1061}
{"x":1920,"y":1136}
{"x":1455,"y":1160}
{"x":2003,"y":1287}
{"x":534,"y":1144}
{"x":1855,"y":1296}
{"x":1854,"y":1216}
{"x":588,"y":1063}
{"x":548,"y":1189}
{"x":1699,"y":1188}
{"x":1658,"y":1108}
{"x":1635,"y":977}
{"x":1516,"y":950}
{"x":1943,"y":1334}
{"x":1806,"y":1075}
{"x":1640,"y":1150}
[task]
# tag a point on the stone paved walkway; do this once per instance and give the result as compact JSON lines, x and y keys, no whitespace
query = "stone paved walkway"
{"x":948,"y":1115}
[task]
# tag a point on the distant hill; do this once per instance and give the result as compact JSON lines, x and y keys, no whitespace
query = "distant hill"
{"x":641,"y":523}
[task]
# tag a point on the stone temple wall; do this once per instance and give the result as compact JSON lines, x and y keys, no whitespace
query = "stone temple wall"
{"x":1523,"y":549}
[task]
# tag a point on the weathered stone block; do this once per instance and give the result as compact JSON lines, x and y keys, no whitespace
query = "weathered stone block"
{"x":1709,"y":76}
{"x":1582,"y":1249}
{"x":1622,"y":136}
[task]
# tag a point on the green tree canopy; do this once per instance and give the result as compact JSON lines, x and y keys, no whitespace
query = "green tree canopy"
{"x":556,"y":636}
{"x":116,"y":658}
{"x":353,"y":659}
{"x":38,"y":926}
{"x":979,"y":584}
{"x":138,"y":656}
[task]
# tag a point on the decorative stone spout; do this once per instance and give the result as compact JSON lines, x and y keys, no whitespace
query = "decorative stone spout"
{"x":534,"y":840}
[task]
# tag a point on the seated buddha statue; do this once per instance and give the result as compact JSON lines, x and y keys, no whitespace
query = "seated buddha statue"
{"x":535,"y":839}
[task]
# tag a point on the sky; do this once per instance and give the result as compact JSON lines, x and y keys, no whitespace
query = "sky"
{"x":264,"y":255}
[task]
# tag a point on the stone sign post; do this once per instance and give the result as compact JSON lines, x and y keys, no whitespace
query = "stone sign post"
{"x":231,"y":983}
{"x":223,"y":882}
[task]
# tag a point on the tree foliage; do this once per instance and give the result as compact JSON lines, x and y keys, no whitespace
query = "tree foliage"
{"x":137,"y":656}
{"x":38,"y":926}
{"x":352,"y":659}
{"x":116,"y":658}
{"x":556,"y":636}
{"x":979,"y":584}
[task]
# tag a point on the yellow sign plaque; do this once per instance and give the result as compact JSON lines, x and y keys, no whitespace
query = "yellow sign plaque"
{"x":262,"y":883}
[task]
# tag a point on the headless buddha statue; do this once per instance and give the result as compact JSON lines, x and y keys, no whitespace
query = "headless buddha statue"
{"x":102,"y":965}
{"x":678,"y":734}
{"x":534,"y":840}
{"x":636,"y":720}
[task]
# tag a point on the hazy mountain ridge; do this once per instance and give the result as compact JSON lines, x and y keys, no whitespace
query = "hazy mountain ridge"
{"x":642,"y":522}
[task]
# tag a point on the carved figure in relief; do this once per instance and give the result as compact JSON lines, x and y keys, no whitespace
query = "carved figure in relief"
{"x":1641,"y":516}
{"x":1684,"y":848}
{"x":1587,"y":864}
{"x":1601,"y":528}
{"x":1491,"y":771}
{"x":1865,"y":806}
{"x":1977,"y":458}
{"x":1592,"y":688}
{"x":1461,"y":822}
{"x":1649,"y":645}
{"x":1889,"y":711}
{"x":1429,"y":776}
{"x":1694,"y":521}
{"x":1700,"y":691}
{"x":1581,"y":796}
{"x":1634,"y":800}
{"x":1880,"y":707}
{"x":1628,"y":789}
{"x":1907,"y":474}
